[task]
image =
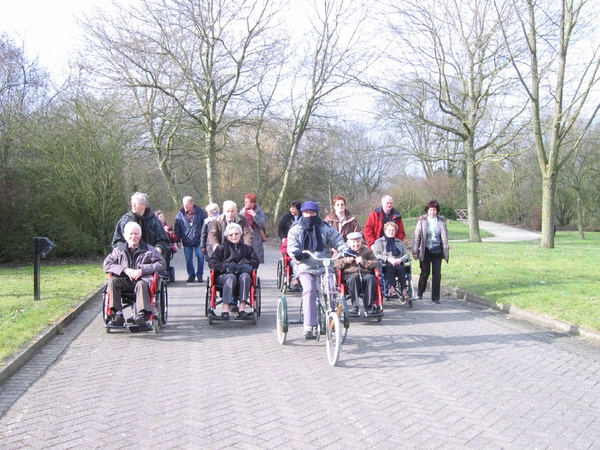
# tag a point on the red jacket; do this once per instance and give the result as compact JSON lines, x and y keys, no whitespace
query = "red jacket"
{"x":374,"y":226}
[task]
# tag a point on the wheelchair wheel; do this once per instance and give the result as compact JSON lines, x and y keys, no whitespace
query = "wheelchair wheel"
{"x":164,"y":311}
{"x":280,"y":274}
{"x":282,"y":320}
{"x":172,"y":274}
{"x":333,"y":338}
{"x":207,"y":302}
{"x":105,"y":316}
{"x":258,"y":306}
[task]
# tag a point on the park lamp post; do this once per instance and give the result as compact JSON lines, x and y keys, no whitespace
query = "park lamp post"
{"x":41,"y":247}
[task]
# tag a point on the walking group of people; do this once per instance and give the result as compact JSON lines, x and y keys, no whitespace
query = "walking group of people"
{"x":361,"y":250}
{"x":143,"y":244}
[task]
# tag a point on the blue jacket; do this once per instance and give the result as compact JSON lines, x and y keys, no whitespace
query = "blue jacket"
{"x":189,"y":233}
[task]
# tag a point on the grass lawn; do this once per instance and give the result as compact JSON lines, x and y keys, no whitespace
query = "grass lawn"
{"x":456,"y":230}
{"x":563,"y":282}
{"x":61,"y":289}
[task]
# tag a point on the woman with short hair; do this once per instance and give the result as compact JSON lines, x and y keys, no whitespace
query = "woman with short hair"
{"x":430,"y":246}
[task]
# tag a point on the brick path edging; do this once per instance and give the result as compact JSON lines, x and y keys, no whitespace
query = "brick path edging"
{"x":28,"y":351}
{"x":522,"y":314}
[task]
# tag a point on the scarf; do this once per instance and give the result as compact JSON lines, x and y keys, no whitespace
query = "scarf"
{"x":390,"y":246}
{"x":311,"y":237}
{"x":249,"y":217}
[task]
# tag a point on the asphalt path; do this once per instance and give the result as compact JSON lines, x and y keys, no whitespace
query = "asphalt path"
{"x":453,"y":375}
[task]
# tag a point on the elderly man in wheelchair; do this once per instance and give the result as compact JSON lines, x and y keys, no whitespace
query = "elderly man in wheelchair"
{"x":132,"y":265}
{"x":234,"y":261}
{"x":357,"y":273}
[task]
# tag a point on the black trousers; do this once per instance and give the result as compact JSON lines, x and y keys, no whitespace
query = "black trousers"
{"x":368,"y":288}
{"x":431,"y":264}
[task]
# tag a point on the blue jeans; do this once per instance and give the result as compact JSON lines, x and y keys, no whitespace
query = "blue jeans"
{"x":189,"y":251}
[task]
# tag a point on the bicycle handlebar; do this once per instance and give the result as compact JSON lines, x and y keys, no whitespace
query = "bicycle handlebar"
{"x":312,"y":255}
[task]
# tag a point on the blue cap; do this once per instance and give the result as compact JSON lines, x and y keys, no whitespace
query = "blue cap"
{"x":310,"y":206}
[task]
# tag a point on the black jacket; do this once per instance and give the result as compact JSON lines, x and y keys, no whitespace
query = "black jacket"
{"x":228,"y":252}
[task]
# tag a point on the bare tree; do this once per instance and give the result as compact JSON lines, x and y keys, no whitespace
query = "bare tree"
{"x":330,"y":62}
{"x":452,"y":60}
{"x":205,"y":56}
{"x":557,"y":87}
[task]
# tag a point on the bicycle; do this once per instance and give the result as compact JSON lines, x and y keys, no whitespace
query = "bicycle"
{"x":332,"y":313}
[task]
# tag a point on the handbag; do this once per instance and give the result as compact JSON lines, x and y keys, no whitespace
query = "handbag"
{"x":263,"y":235}
{"x":436,"y":249}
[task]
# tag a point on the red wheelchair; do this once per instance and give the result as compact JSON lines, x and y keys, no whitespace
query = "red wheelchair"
{"x":214,"y":294}
{"x":159,"y":300}
{"x":377,"y":310}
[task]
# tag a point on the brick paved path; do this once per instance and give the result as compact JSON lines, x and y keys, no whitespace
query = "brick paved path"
{"x":437,"y":376}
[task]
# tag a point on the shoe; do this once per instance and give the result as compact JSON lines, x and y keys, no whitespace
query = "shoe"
{"x":405,"y":295}
{"x":296,"y":287}
{"x":224,"y":316}
{"x":435,"y":301}
{"x":140,"y":319}
{"x":242,"y":315}
{"x":310,"y":333}
{"x":200,"y":280}
{"x":354,"y":310}
{"x":191,"y":279}
{"x":393,"y":293}
{"x":117,"y":320}
{"x":420,"y":296}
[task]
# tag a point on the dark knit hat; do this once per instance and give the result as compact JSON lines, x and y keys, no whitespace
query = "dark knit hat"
{"x":309,"y":206}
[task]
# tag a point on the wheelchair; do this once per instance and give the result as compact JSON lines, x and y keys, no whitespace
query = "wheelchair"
{"x":169,"y":274}
{"x":377,"y":311}
{"x":214,"y":294}
{"x":159,"y":299}
{"x":285,"y":272}
{"x":410,"y":288}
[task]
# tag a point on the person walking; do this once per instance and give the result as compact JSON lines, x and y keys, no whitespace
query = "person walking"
{"x":380,"y":216}
{"x":188,"y":228}
{"x":430,"y":246}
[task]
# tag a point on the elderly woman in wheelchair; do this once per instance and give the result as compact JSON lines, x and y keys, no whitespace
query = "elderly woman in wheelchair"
{"x":234,"y":263}
{"x":393,"y":254}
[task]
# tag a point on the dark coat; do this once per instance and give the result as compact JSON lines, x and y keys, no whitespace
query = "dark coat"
{"x":190,"y":233}
{"x":228,"y":252}
{"x":285,"y":224}
{"x":153,"y":231}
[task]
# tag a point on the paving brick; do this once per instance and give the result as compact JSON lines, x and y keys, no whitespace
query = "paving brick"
{"x":443,"y":376}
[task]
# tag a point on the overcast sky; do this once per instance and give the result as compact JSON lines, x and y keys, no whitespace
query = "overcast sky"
{"x":46,"y":27}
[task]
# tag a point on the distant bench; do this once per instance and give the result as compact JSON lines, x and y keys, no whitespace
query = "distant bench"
{"x":462,"y":214}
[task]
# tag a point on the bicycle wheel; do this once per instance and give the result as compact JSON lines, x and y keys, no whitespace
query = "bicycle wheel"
{"x":321,"y":320}
{"x":333,"y":338}
{"x":282,"y":320}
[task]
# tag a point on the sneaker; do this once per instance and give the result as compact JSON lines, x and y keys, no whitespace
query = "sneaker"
{"x":117,"y":320}
{"x":242,"y":315}
{"x":191,"y":279}
{"x":354,"y":310}
{"x":140,"y":319}
{"x":224,"y":316}
{"x":310,"y":333}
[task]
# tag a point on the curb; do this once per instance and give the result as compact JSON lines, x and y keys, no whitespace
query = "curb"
{"x":522,"y":314}
{"x":29,"y":350}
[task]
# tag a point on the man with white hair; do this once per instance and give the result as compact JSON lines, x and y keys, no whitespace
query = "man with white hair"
{"x":217,"y":235}
{"x":379,"y":217}
{"x":188,"y":228}
{"x":132,"y":264}
{"x":153,"y":232}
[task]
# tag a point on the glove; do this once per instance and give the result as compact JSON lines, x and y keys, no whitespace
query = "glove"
{"x":245,"y":268}
{"x":298,"y":255}
{"x":349,"y":253}
{"x":231,"y":268}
